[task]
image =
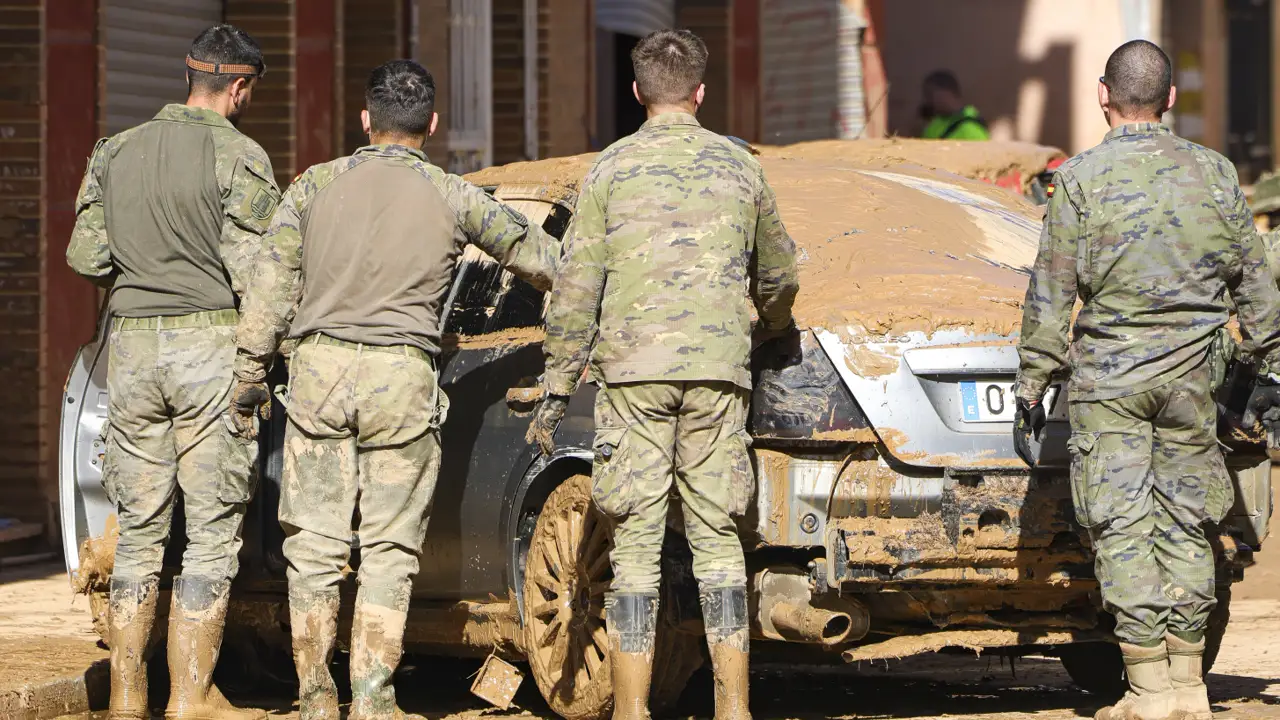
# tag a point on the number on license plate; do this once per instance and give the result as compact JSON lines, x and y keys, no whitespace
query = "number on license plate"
{"x":983,"y":401}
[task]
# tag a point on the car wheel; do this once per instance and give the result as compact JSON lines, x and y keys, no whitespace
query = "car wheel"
{"x":567,"y":574}
{"x":1095,"y":667}
{"x":1099,"y":669}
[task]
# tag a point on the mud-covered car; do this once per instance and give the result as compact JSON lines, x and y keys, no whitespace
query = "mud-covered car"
{"x":1023,"y":167}
{"x":892,"y":515}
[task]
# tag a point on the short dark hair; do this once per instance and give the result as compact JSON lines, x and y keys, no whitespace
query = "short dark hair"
{"x":669,"y":66}
{"x":943,"y":80}
{"x":400,"y":98}
{"x":223,"y":45}
{"x":1139,"y":76}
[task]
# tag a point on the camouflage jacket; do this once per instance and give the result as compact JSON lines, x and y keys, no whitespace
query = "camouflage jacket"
{"x":1152,"y":233}
{"x":676,"y":232}
{"x":427,"y":228}
{"x":246,"y":193}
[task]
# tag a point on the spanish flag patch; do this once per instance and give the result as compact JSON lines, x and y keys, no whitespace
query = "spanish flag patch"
{"x":1050,"y":190}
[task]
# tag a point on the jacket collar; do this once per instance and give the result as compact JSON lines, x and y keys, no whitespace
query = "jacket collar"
{"x":176,"y":112}
{"x":398,"y":151}
{"x":1144,"y":128}
{"x":672,"y":118}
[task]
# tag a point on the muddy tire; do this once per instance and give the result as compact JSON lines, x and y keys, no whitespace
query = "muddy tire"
{"x":566,"y":576}
{"x":1098,"y":668}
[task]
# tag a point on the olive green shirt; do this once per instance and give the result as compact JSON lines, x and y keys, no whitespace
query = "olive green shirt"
{"x":363,"y":249}
{"x":170,"y":214}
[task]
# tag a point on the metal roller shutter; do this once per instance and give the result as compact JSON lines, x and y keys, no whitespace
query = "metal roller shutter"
{"x":811,"y":70}
{"x":146,"y":42}
{"x":635,"y":17}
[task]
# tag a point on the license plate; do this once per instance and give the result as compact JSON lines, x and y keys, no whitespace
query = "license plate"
{"x":992,"y":401}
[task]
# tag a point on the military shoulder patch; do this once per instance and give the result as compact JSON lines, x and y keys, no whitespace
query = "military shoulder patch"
{"x":262,"y":205}
{"x":1049,"y":191}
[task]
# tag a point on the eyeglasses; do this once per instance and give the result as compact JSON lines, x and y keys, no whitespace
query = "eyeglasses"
{"x":1103,"y":79}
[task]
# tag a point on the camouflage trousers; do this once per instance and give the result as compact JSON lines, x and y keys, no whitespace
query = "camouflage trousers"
{"x":652,"y":434}
{"x":363,"y":437}
{"x":168,"y":384}
{"x":1146,"y":476}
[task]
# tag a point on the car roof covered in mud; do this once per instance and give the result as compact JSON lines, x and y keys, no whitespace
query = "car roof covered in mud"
{"x":987,"y":160}
{"x":884,"y":248}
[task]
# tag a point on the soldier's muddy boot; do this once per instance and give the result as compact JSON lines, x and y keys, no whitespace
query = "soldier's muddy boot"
{"x":631,"y":620}
{"x":724,"y":611}
{"x":196,"y":618}
{"x":1151,"y":695}
{"x":377,"y":640}
{"x":1186,"y":674}
{"x":313,"y":617}
{"x":132,"y":613}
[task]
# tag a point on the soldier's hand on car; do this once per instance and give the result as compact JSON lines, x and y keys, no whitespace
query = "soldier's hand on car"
{"x":249,"y":399}
{"x":1029,"y":422}
{"x":542,"y":431}
{"x":1264,"y":403}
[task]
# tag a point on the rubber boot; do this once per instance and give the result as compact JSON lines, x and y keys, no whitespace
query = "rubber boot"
{"x":196,"y":619}
{"x":724,"y":611}
{"x":1186,"y":674}
{"x":132,"y":613}
{"x":377,"y":641}
{"x":1150,"y":696}
{"x":313,"y":618}
{"x":631,"y":620}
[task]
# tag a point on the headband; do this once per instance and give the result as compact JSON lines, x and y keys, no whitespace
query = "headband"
{"x":223,"y":68}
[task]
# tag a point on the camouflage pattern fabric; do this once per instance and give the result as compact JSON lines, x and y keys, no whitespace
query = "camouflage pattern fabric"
{"x":692,"y":434}
{"x":385,"y":463}
{"x":1152,"y":232}
{"x":278,"y":285}
{"x":1146,"y":474}
{"x":676,"y":229}
{"x":244,"y":177}
{"x":313,"y":622}
{"x":168,"y":384}
{"x":363,"y":435}
{"x":1271,"y":245}
{"x":377,"y":642}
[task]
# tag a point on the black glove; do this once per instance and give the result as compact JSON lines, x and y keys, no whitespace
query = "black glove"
{"x":248,"y":399}
{"x":546,"y":419}
{"x":1264,"y":402}
{"x":1030,"y":421}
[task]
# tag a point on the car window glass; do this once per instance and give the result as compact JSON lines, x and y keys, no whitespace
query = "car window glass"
{"x":490,"y":299}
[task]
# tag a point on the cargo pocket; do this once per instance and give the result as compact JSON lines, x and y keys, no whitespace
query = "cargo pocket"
{"x":611,"y":481}
{"x":110,"y":468}
{"x":236,"y":474}
{"x":742,"y":480}
{"x":1219,"y":494}
{"x":1083,"y":481}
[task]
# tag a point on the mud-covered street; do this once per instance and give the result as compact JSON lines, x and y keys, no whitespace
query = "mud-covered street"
{"x":46,"y":632}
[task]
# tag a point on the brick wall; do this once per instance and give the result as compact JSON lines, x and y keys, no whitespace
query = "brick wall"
{"x":508,"y":81}
{"x":373,"y":32}
{"x":709,"y":19}
{"x":270,"y":120}
{"x":432,"y":51}
{"x":20,"y":260}
{"x":566,"y":60}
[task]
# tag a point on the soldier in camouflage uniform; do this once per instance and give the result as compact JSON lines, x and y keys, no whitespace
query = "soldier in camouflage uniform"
{"x":675,"y":228}
{"x":1152,"y":233}
{"x":355,"y":267}
{"x":170,"y":216}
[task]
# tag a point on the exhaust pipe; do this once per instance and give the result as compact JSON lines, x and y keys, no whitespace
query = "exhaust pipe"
{"x":808,"y":624}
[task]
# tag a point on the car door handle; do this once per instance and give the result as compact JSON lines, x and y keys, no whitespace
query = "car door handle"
{"x":524,"y":396}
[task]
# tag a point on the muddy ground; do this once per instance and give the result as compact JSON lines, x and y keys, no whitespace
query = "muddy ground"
{"x":45,"y":632}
